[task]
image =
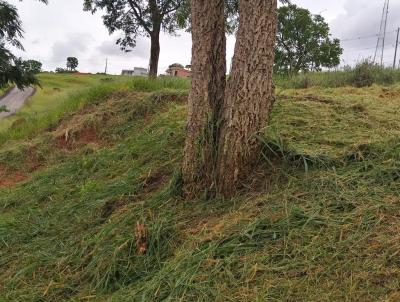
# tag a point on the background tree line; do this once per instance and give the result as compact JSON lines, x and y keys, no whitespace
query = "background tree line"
{"x":303,"y":40}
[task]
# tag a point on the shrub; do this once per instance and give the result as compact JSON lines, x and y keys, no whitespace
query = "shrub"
{"x":363,"y":74}
{"x":302,"y":81}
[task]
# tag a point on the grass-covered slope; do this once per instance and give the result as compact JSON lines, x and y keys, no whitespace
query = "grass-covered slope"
{"x":91,"y":211}
{"x":58,"y":94}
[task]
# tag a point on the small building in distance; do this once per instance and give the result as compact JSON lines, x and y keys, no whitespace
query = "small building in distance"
{"x":136,"y":72}
{"x":177,"y":70}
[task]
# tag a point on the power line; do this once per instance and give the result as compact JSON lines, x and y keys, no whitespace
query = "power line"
{"x":366,"y":37}
{"x":359,"y":50}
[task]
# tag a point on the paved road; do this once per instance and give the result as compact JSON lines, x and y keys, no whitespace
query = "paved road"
{"x":14,"y":100}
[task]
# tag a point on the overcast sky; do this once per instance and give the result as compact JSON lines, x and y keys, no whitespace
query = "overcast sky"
{"x":62,"y":29}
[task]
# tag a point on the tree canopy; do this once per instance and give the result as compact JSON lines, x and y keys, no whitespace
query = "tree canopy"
{"x":304,"y":42}
{"x":72,"y":63}
{"x":13,"y":70}
{"x":34,"y":66}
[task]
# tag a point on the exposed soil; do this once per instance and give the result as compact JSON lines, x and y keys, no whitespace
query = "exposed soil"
{"x":80,"y":138}
{"x":9,"y":178}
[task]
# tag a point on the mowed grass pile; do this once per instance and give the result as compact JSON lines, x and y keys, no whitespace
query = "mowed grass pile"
{"x":317,"y":221}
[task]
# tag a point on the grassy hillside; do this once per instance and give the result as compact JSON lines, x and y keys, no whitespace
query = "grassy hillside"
{"x":59,"y":93}
{"x":317,"y":221}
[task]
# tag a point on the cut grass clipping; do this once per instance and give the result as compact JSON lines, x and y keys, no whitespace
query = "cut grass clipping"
{"x":97,"y":218}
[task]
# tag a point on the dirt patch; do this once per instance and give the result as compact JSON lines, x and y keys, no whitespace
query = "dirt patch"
{"x":10,"y":178}
{"x":88,"y":126}
{"x":79,"y":138}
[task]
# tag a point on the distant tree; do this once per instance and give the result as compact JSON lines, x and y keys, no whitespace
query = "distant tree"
{"x":177,"y":65}
{"x":34,"y":66}
{"x":13,"y":70}
{"x":141,"y":18}
{"x":72,"y":63}
{"x":61,"y":70}
{"x":303,"y":42}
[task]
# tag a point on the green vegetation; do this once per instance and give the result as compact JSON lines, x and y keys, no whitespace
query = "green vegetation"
{"x":317,"y":221}
{"x":304,"y":42}
{"x":364,"y":74}
{"x":61,"y":94}
{"x":4,"y":89}
{"x":58,"y":95}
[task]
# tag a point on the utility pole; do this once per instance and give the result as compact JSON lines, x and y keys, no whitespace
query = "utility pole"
{"x":384,"y":33}
{"x":380,"y":31}
{"x":105,"y":70}
{"x":395,"y":52}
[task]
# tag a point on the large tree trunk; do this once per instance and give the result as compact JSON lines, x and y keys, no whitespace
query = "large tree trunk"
{"x":249,"y":96}
{"x":206,"y":96}
{"x":154,"y":53}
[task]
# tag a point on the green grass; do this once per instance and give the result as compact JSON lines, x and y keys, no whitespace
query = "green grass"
{"x":54,"y":93}
{"x":3,"y":90}
{"x":61,"y":94}
{"x":317,"y":221}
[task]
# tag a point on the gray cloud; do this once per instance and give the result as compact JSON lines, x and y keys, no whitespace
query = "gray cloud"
{"x":74,"y":45}
{"x":110,"y":48}
{"x":362,"y":19}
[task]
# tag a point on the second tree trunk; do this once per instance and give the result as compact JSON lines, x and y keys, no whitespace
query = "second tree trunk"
{"x":154,"y":53}
{"x":206,"y":96}
{"x":249,"y":96}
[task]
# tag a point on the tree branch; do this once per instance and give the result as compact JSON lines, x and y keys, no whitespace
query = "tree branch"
{"x":165,"y":11}
{"x":137,"y":11}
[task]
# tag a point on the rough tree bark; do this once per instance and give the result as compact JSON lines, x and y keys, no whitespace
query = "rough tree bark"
{"x":154,"y":54}
{"x":206,"y":96}
{"x":249,"y":96}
